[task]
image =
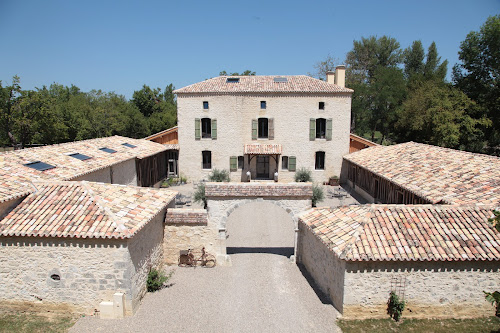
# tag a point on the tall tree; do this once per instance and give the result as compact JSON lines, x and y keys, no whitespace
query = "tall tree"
{"x":414,"y":61}
{"x":9,"y":96}
{"x":433,"y":69}
{"x":478,"y":75}
{"x":322,"y":67}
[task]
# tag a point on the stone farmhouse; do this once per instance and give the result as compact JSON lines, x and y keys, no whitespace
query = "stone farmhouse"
{"x":264,"y":125}
{"x":427,"y":237}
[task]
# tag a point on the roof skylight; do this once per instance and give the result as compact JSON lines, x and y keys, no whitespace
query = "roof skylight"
{"x":233,"y":79}
{"x":108,"y":150}
{"x":40,"y":166}
{"x":126,"y":144}
{"x":79,"y":156}
{"x":280,"y":79}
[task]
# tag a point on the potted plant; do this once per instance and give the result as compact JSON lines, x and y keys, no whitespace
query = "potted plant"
{"x":334,"y":181}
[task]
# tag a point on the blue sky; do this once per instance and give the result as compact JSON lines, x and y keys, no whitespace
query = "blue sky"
{"x":121,"y":45}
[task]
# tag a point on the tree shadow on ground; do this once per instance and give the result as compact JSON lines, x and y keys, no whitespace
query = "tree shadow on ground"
{"x":282,"y":251}
{"x":321,"y":295}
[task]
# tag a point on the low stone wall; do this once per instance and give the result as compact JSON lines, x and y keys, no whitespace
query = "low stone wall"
{"x":187,"y":229}
{"x":258,"y":190}
{"x":432,"y":289}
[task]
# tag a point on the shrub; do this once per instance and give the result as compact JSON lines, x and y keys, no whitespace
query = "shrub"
{"x":156,"y":279}
{"x":494,"y":299}
{"x":318,"y":194}
{"x":218,"y":176}
{"x":303,"y":175}
{"x":199,"y":195}
{"x":395,"y":306}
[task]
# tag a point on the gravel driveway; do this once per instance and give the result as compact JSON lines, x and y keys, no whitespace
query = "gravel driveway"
{"x":261,"y":292}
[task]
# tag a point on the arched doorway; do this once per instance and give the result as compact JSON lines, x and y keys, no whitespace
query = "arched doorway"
{"x":260,"y":227}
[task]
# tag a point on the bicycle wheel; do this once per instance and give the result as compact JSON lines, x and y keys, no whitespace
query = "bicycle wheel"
{"x":209,"y":261}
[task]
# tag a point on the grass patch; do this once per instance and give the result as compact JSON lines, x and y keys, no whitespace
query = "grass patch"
{"x":35,"y":323}
{"x":487,"y":324}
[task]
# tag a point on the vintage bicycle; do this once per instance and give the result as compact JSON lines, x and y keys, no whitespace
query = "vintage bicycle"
{"x":193,"y":258}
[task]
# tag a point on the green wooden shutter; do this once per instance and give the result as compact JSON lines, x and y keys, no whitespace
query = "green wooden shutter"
{"x":214,"y":129}
{"x":197,"y":129}
{"x":312,"y":129}
{"x":233,"y":163}
{"x":292,"y":163}
{"x":270,"y":128}
{"x":254,"y":129}
{"x":329,"y":129}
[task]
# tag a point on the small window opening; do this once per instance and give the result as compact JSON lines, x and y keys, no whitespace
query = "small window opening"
{"x":205,"y":105}
{"x":108,"y":150}
{"x":241,"y":162}
{"x":321,"y":105}
{"x":280,"y":79}
{"x":320,"y":128}
{"x":263,"y":105}
{"x":284,"y":163}
{"x":233,"y":79}
{"x":207,"y":159}
{"x":320,"y":160}
{"x":126,"y":144}
{"x":55,"y":277}
{"x":79,"y":156}
{"x":40,"y":166}
{"x":263,"y":128}
{"x":206,"y":128}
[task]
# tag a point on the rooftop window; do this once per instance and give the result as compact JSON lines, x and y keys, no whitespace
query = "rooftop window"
{"x":40,"y":166}
{"x":280,"y":79}
{"x":108,"y":150}
{"x":79,"y":156}
{"x":126,"y":144}
{"x":233,"y":80}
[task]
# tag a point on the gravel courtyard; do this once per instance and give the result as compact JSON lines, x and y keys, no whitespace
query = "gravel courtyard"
{"x":261,"y":292}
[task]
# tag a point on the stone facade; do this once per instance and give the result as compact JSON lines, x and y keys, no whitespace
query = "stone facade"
{"x":431,"y":288}
{"x":187,"y":229}
{"x":291,"y":114}
{"x":88,"y":270}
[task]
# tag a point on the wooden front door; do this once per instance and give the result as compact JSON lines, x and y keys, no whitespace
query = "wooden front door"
{"x":262,"y":167}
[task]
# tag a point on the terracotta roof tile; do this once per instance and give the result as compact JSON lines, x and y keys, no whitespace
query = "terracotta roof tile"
{"x":399,"y":232}
{"x":263,"y":84}
{"x":262,"y":149}
{"x":435,"y":173}
{"x":15,"y":177}
{"x":84,"y":210}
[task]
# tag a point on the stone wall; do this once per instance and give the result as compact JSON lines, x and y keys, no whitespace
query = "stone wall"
{"x":433,"y":289}
{"x":325,"y":268}
{"x":291,"y":114}
{"x":90,"y":270}
{"x":146,"y":252}
{"x":187,"y":229}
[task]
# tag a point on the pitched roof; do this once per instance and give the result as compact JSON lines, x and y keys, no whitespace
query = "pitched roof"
{"x":15,"y":177}
{"x":435,"y":173}
{"x":399,"y":232}
{"x":263,"y":84}
{"x":85,"y":210}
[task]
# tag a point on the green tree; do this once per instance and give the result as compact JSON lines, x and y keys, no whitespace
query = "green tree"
{"x":438,"y":114}
{"x":414,"y":61}
{"x":322,"y":67}
{"x":245,"y":73}
{"x":478,"y":75}
{"x":433,"y":69}
{"x":9,"y":96}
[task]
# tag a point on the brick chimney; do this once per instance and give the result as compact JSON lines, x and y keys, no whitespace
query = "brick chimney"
{"x":330,"y":77}
{"x":340,"y":76}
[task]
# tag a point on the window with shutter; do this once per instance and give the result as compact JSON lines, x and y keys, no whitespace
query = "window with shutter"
{"x":214,"y":129}
{"x":271,"y":128}
{"x":254,"y":129}
{"x":241,"y":162}
{"x":329,"y":126}
{"x":320,"y":128}
{"x":284,"y":163}
{"x":206,"y":128}
{"x":197,"y":129}
{"x":312,"y":129}
{"x":263,"y":128}
{"x":233,"y":163}
{"x":292,"y":163}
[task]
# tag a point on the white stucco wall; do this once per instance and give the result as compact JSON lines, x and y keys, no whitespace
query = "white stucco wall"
{"x":99,"y":176}
{"x":291,"y":114}
{"x":124,"y":173}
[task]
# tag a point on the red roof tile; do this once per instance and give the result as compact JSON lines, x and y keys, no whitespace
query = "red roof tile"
{"x":399,"y":232}
{"x":85,"y":210}
{"x":263,"y":84}
{"x":262,"y":149}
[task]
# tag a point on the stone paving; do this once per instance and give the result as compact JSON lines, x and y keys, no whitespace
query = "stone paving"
{"x":263,"y":291}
